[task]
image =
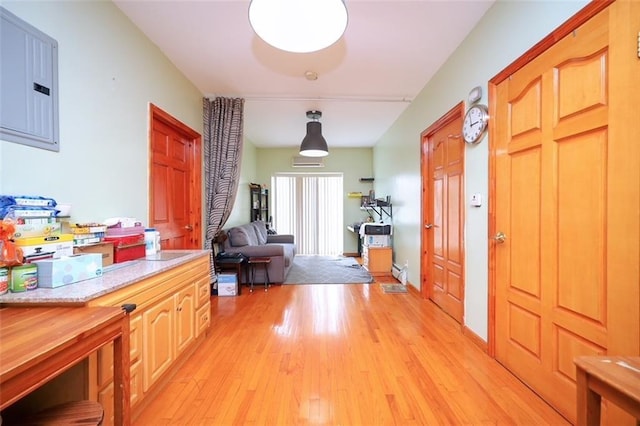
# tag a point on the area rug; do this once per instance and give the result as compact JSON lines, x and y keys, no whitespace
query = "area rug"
{"x":308,"y":269}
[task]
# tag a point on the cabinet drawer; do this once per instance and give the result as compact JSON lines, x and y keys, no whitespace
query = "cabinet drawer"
{"x":203,"y":318}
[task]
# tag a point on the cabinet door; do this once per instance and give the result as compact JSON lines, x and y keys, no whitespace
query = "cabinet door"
{"x":158,"y":350}
{"x":185,"y":318}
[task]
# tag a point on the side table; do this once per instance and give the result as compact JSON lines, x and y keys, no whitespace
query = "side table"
{"x":254,"y":262}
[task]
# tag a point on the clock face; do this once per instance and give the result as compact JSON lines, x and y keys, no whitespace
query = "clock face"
{"x":475,"y":123}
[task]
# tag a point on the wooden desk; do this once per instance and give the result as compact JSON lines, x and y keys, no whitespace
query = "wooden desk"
{"x":614,"y":378}
{"x":40,"y":343}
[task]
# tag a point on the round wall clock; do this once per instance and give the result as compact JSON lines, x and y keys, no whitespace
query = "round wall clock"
{"x":475,"y":123}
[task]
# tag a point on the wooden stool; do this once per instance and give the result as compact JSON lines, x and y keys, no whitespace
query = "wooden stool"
{"x":255,"y":261}
{"x":89,"y":413}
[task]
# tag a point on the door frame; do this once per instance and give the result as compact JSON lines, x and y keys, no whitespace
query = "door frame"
{"x":426,"y":157}
{"x":156,"y":114}
{"x":582,"y":16}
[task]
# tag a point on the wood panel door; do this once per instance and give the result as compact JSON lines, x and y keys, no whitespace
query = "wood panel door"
{"x":567,"y":200}
{"x":175,"y":200}
{"x":443,"y":213}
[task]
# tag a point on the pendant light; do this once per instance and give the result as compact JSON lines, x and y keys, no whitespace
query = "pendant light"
{"x":299,"y":26}
{"x":314,"y":144}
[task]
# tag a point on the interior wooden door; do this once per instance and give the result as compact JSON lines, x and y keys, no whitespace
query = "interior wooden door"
{"x":175,"y":198}
{"x":443,"y":213}
{"x":567,"y":192}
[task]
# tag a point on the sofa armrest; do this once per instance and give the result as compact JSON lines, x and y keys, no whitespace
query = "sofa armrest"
{"x":263,"y":250}
{"x":280,"y":238}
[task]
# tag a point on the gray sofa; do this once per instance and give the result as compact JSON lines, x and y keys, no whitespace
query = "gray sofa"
{"x":252,"y":240}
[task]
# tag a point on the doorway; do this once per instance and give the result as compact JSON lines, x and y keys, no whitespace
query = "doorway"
{"x":442,"y":169}
{"x":175,"y":181}
{"x":309,"y":206}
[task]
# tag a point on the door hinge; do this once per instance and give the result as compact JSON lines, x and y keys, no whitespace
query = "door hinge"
{"x":638,"y":44}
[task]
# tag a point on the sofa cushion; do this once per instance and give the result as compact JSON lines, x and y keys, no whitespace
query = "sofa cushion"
{"x":240,"y":236}
{"x":261,"y":231}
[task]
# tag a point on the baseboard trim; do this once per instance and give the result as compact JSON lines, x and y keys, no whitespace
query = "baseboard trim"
{"x":350,"y":254}
{"x":477,"y":340}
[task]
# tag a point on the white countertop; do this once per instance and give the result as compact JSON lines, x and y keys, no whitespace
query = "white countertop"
{"x":115,"y":277}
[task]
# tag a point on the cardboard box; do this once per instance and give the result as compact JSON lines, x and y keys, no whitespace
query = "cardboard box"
{"x":127,"y":247}
{"x":60,"y":245}
{"x":376,"y":240}
{"x":37,"y":230}
{"x":104,"y":249}
{"x":227,"y":284}
{"x":68,"y":270}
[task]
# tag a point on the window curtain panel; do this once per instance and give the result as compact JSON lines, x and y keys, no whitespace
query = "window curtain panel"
{"x":223,"y":124}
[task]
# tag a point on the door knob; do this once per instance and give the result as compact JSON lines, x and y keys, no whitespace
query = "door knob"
{"x":188,"y":227}
{"x":429,"y":225}
{"x":500,"y":237}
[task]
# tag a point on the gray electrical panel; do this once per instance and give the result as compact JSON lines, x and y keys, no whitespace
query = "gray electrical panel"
{"x":28,"y":84}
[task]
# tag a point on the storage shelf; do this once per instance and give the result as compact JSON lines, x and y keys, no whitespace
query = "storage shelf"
{"x":381,"y":212}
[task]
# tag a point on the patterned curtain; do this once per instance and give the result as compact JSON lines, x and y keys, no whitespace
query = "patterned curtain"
{"x":223,"y":119}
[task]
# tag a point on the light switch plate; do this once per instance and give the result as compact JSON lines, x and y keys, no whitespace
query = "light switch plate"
{"x":476,"y":200}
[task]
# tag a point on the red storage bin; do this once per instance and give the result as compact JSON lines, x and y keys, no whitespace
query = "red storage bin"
{"x":128,"y":247}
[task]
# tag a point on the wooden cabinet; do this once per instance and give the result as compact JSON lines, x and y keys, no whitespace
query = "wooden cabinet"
{"x":259,"y":203}
{"x":173,"y":310}
{"x":377,"y":260}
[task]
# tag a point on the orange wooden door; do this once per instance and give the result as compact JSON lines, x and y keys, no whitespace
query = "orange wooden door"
{"x":175,"y":182}
{"x":443,"y":218}
{"x":567,"y":199}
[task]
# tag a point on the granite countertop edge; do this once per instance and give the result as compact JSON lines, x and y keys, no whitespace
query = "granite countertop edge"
{"x":121,"y":276}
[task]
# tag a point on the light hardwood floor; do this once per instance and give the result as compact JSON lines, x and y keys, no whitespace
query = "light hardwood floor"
{"x":340,"y":355}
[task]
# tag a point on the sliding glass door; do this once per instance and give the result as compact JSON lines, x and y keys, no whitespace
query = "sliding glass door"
{"x":309,"y":206}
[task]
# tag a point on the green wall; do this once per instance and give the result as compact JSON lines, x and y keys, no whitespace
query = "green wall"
{"x":109,"y":72}
{"x":508,"y":29}
{"x":354,"y":163}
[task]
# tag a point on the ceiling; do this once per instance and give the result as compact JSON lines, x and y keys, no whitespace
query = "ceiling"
{"x":365,"y":81}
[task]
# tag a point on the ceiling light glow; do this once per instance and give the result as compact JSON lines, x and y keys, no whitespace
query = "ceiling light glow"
{"x":299,"y":26}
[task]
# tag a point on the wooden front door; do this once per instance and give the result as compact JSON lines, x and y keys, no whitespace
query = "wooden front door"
{"x":175,"y":200}
{"x":567,"y":197}
{"x":443,"y":218}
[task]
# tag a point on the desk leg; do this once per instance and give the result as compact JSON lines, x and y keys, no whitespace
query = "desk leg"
{"x":122,"y":376}
{"x":588,"y":401}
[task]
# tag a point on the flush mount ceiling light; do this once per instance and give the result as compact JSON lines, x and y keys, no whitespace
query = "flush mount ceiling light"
{"x":298,"y":26}
{"x":313,"y":144}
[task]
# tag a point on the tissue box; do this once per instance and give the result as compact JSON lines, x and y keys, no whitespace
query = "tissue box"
{"x":68,"y":270}
{"x":227,"y":284}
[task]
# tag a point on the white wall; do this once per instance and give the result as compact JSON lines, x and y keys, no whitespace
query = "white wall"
{"x":109,"y":72}
{"x":506,"y":31}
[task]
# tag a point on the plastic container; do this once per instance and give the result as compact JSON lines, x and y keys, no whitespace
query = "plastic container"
{"x":150,"y":241}
{"x":23,"y":278}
